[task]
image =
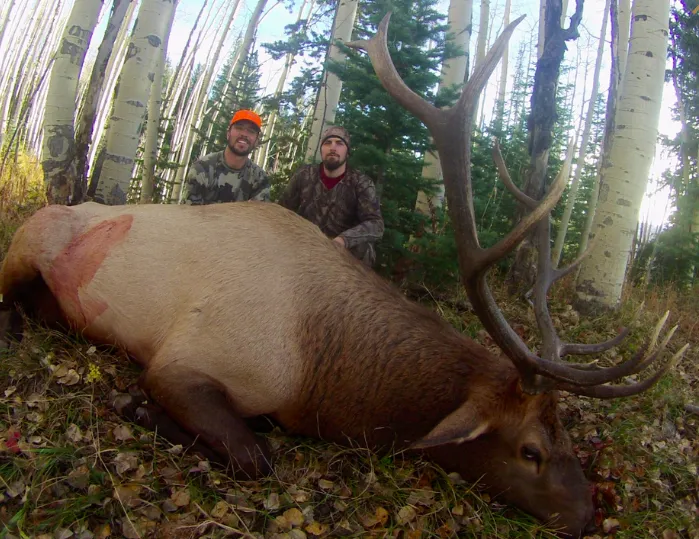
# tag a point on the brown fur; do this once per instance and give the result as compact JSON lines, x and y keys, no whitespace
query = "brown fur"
{"x":239,"y":310}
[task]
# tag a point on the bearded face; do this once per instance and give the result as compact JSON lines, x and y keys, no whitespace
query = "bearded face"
{"x":333,"y":153}
{"x":242,"y":137}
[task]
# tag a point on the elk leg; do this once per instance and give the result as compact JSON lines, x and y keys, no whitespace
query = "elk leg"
{"x":200,"y":408}
{"x":134,"y":407}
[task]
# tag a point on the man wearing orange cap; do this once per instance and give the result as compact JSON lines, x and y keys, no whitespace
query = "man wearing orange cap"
{"x":339,"y":199}
{"x":229,"y":175}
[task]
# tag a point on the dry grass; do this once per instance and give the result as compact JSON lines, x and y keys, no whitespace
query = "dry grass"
{"x":70,"y":467}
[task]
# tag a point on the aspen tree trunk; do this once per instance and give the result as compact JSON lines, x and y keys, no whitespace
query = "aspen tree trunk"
{"x":481,"y":47}
{"x":6,"y":17}
{"x":11,"y":62}
{"x":126,"y":122}
{"x":502,"y":87}
{"x":59,"y":143}
{"x":150,"y":152}
{"x":454,"y":73}
{"x":200,"y":101}
{"x":244,"y":50}
{"x":105,"y":105}
{"x":86,"y":118}
{"x":263,"y":154}
{"x":625,"y":175}
{"x":329,"y":92}
{"x":570,"y":202}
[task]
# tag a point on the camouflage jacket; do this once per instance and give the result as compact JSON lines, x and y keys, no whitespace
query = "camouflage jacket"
{"x":211,"y":180}
{"x":350,"y":209}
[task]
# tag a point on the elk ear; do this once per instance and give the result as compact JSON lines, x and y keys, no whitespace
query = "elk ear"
{"x":462,"y":425}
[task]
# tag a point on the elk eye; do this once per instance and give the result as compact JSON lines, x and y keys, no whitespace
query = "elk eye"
{"x":531,"y":453}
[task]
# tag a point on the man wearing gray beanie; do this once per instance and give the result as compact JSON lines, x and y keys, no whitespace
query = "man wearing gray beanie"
{"x":340,"y":200}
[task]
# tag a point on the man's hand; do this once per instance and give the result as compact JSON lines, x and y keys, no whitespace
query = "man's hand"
{"x":340,"y":240}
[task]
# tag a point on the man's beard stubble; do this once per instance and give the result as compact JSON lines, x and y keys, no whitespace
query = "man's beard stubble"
{"x":241,"y":153}
{"x":333,"y":165}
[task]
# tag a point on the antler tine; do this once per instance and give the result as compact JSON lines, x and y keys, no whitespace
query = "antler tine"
{"x":612,"y":392}
{"x":507,"y":180}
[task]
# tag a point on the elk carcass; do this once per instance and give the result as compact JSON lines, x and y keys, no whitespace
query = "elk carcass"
{"x":245,"y":309}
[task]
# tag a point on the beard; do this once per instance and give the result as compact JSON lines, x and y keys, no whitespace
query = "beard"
{"x":236,"y":151}
{"x":333,"y":162}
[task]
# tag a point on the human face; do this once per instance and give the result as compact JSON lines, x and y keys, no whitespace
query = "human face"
{"x":333,"y":153}
{"x":242,"y":137}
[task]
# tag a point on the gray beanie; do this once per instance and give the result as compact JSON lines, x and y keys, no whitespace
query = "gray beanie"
{"x":335,"y":131}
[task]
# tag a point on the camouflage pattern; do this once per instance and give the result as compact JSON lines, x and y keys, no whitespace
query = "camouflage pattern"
{"x":350,"y":209}
{"x":210,"y":180}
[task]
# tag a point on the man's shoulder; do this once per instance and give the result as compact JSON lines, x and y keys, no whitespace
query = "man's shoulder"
{"x":307,"y":171}
{"x":359,"y":178}
{"x":206,"y":161}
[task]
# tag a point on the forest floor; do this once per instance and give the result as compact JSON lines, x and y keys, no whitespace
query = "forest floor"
{"x":71,"y":467}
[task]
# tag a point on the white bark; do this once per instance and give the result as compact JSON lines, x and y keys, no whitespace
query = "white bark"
{"x":329,"y":94}
{"x":482,"y":31}
{"x":131,"y":100}
{"x":625,"y":176}
{"x":502,"y":87}
{"x":150,"y":151}
{"x":570,"y":203}
{"x":624,"y":20}
{"x":454,"y":71}
{"x":59,"y":114}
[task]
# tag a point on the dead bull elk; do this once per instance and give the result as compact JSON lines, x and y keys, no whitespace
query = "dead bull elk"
{"x":245,"y":309}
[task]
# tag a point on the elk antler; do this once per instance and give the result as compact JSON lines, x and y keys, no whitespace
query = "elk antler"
{"x":451,"y":131}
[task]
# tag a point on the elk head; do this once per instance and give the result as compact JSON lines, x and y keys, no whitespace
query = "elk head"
{"x":530,"y":461}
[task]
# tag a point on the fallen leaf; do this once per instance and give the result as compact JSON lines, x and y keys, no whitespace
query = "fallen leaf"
{"x":122,"y":433}
{"x":62,"y":533}
{"x":79,"y":478}
{"x":131,"y":529}
{"x":378,"y":517}
{"x":103,"y":532}
{"x":297,"y":534}
{"x":405,"y":514}
{"x":272,"y":502}
{"x":316,"y":528}
{"x":128,"y":495}
{"x":220,"y":509}
{"x":325,"y":484}
{"x":180,"y":498}
{"x":10,"y":390}
{"x":125,"y":462}
{"x":12,"y":441}
{"x":610,"y":524}
{"x":294,"y":517}
{"x":69,"y":379}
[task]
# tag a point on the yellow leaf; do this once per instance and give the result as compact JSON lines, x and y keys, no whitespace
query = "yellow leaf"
{"x":220,"y":509}
{"x":316,"y":528}
{"x":294,"y":517}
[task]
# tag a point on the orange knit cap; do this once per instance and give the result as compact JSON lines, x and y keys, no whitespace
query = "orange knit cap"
{"x":248,"y":115}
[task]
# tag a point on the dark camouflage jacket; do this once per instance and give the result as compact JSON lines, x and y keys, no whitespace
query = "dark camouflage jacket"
{"x":350,"y":209}
{"x":210,"y":180}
